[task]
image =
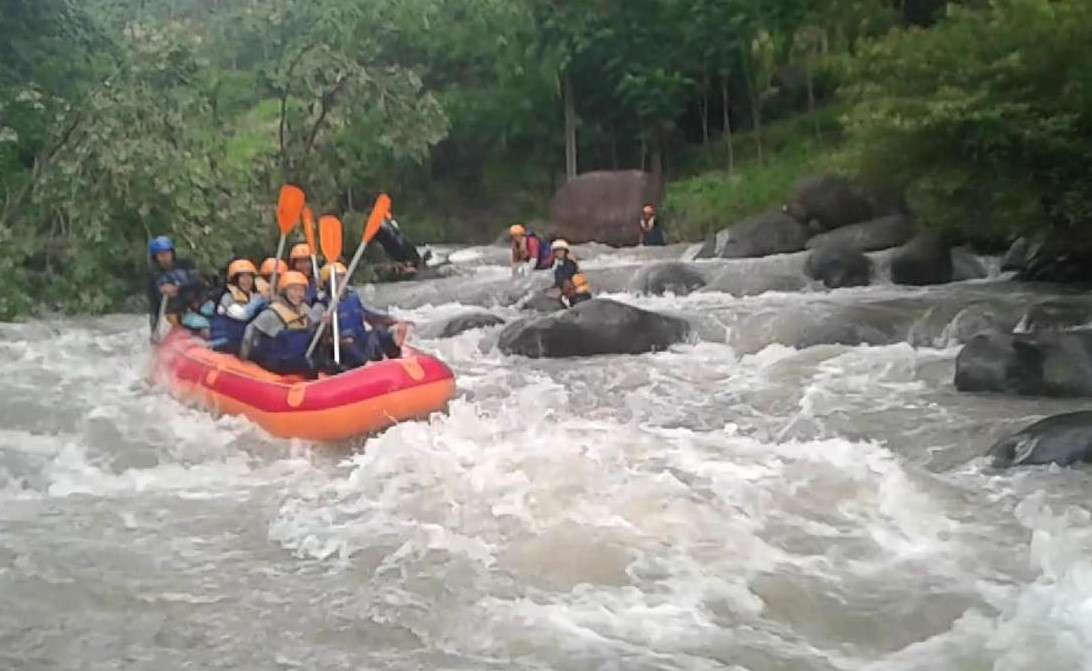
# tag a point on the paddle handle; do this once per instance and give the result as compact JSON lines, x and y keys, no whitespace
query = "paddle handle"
{"x":335,"y":297}
{"x":273,"y":277}
{"x":159,"y":318}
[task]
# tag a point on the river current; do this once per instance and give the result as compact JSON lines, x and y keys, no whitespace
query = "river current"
{"x":748,"y":500}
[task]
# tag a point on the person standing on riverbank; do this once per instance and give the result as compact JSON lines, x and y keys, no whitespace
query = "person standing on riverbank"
{"x":650,"y":232}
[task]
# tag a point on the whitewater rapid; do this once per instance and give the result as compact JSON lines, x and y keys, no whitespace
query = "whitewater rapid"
{"x":733,"y":503}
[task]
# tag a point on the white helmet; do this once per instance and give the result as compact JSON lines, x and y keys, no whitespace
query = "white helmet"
{"x":560,"y":244}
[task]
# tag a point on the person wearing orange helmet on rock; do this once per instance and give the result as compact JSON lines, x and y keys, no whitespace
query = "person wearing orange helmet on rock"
{"x":265,"y":276}
{"x":299,"y":260}
{"x":575,"y":290}
{"x":529,"y":252}
{"x":237,"y":306}
{"x":278,"y":338}
{"x":650,"y":232}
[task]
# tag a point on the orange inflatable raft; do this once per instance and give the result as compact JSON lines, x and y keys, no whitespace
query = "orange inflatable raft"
{"x":357,"y":402}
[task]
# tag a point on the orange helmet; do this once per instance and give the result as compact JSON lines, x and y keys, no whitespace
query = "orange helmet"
{"x":516,"y":229}
{"x":337,"y":266}
{"x":292,"y":279}
{"x":580,"y":281}
{"x":269,"y":264}
{"x":239,"y":266}
{"x":300,"y":251}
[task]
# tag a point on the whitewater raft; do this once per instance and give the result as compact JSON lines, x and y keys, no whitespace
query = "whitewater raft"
{"x":358,"y":402}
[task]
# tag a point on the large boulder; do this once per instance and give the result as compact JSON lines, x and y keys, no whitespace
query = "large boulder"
{"x":1061,"y":439}
{"x":706,"y":249}
{"x":1044,"y":364}
{"x":762,"y":235}
{"x":541,"y":301}
{"x":604,"y":206}
{"x":838,"y":267}
{"x":1017,"y":256}
{"x":598,"y":326}
{"x":1056,"y":315}
{"x":672,"y":277}
{"x":867,"y":236}
{"x":1057,"y":263}
{"x":926,"y":259}
{"x":826,"y":202}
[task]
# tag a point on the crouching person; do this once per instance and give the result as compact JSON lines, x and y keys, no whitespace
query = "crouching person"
{"x":575,"y":291}
{"x":279,"y":336}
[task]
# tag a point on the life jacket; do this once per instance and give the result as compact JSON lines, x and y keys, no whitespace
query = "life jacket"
{"x":540,"y":251}
{"x":565,"y":269}
{"x":176,"y":275}
{"x":350,"y":316}
{"x":287,"y":351}
{"x":227,"y":330}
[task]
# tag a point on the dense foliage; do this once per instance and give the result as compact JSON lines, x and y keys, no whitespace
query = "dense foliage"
{"x":120,"y":119}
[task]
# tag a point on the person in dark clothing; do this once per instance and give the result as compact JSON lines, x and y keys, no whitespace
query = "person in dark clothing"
{"x":564,"y":264}
{"x":168,"y":275}
{"x":359,"y":343}
{"x":575,"y":291}
{"x":651,"y":233}
{"x":397,"y":245}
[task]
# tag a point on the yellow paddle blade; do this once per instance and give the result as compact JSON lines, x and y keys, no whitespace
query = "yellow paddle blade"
{"x":289,"y":206}
{"x":309,"y":229}
{"x":379,"y":215}
{"x":330,"y":237}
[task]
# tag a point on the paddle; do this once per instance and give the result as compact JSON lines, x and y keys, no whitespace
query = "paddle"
{"x":309,"y":233}
{"x":330,"y":238}
{"x":375,"y":220}
{"x":289,"y":206}
{"x":159,"y":333}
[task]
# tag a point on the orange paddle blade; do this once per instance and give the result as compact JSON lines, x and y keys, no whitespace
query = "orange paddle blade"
{"x":379,"y":214}
{"x":330,"y":237}
{"x":309,"y":229}
{"x":289,"y":206}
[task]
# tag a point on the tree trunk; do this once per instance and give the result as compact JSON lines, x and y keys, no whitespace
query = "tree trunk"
{"x":659,"y":149}
{"x":756,"y":121}
{"x":810,"y":78}
{"x":570,"y":128}
{"x":704,"y":105}
{"x":728,"y":125}
{"x":613,"y":148}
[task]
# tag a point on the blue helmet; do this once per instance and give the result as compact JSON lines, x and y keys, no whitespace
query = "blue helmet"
{"x":160,"y":244}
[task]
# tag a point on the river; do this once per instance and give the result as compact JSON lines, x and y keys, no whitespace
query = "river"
{"x":751,"y":499}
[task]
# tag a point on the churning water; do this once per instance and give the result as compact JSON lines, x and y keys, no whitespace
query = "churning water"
{"x":747,"y":500}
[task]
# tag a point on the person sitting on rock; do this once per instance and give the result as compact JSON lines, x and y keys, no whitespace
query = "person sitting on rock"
{"x":529,"y":252}
{"x":564,"y":264}
{"x":575,"y":291}
{"x":650,"y":232}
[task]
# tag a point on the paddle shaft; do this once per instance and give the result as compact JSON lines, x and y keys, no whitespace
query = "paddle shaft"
{"x":314,"y":266}
{"x":336,"y":297}
{"x":159,"y":318}
{"x":276,"y":264}
{"x":337,"y":339}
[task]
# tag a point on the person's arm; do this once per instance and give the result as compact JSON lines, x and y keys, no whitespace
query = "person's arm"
{"x":250,"y":339}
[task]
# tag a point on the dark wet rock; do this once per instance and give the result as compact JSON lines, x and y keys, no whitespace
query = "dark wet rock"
{"x":838,"y":267}
{"x":540,"y":301}
{"x":465,"y":322}
{"x":924,"y":260}
{"x":604,"y":206}
{"x":1017,"y":256}
{"x":1045,"y":364}
{"x":827,"y":202}
{"x":867,"y":236}
{"x":762,"y":235}
{"x":1057,"y":263}
{"x":1056,"y":315}
{"x":672,"y":277}
{"x":705,"y":250}
{"x":1061,"y":439}
{"x":599,"y":326}
{"x":738,"y":282}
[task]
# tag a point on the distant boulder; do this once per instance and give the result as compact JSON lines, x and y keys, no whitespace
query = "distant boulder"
{"x":466,"y":322}
{"x":672,"y":277}
{"x":604,"y":206}
{"x":838,"y":267}
{"x":1043,"y":364}
{"x":967,"y":266}
{"x":827,"y":202}
{"x":867,"y":236}
{"x":1017,"y":256}
{"x":924,"y":260}
{"x":598,"y":326}
{"x":762,"y":235}
{"x":1062,"y":439}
